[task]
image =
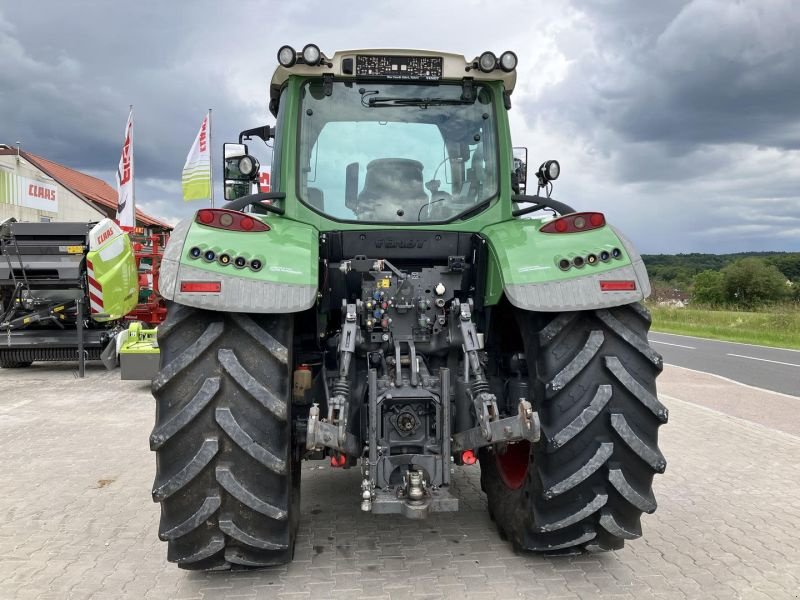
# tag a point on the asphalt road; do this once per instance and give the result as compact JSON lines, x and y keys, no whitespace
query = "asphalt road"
{"x":775,"y":369}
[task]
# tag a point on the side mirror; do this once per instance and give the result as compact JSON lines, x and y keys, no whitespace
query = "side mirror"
{"x":351,"y":186}
{"x":235,"y":190}
{"x":519,"y":174}
{"x":240,"y":170}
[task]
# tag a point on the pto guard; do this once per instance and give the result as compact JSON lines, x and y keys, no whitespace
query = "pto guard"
{"x":111,"y":272}
{"x":524,"y":267}
{"x":286,"y":283}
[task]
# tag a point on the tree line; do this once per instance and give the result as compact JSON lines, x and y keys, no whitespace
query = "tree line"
{"x":746,"y":279}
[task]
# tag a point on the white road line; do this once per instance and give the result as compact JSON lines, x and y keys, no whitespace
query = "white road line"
{"x":677,"y":345}
{"x":777,"y":362}
{"x":695,"y":337}
{"x":729,"y":380}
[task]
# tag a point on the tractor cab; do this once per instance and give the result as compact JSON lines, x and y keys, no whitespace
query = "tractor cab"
{"x":385,"y":136}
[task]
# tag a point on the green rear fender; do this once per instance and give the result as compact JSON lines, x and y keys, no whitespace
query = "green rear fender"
{"x":524,"y":265}
{"x":285,"y":282}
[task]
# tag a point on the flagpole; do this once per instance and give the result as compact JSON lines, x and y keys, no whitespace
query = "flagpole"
{"x":133,"y":174}
{"x":210,"y":158}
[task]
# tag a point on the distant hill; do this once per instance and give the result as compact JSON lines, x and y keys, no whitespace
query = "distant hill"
{"x":679,"y":269}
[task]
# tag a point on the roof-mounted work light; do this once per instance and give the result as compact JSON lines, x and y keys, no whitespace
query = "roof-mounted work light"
{"x":487,"y":62}
{"x":287,"y":56}
{"x":311,"y":55}
{"x":508,"y":61}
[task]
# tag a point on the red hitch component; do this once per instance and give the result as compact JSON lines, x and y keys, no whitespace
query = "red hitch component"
{"x":617,"y":285}
{"x":468,"y":457}
{"x":202,"y":287}
{"x":231,"y":220}
{"x":338,"y":461}
{"x":152,"y":309}
{"x":575,"y":223}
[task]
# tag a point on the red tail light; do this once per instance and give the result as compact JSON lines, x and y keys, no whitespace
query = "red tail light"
{"x":202,"y":287}
{"x":582,"y":221}
{"x":232,"y":220}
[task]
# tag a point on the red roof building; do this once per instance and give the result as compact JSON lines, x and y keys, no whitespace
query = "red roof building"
{"x":93,"y":191}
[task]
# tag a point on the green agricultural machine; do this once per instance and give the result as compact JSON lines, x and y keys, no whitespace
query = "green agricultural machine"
{"x":398,"y":304}
{"x":64,"y":290}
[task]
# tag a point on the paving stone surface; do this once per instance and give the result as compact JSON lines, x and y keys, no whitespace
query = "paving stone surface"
{"x":77,"y":521}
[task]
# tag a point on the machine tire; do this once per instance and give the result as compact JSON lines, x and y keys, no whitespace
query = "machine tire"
{"x":228,"y":472}
{"x":585,"y":484}
{"x":8,"y":363}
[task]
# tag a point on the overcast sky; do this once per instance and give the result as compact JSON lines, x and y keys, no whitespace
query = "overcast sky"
{"x":678,"y":119}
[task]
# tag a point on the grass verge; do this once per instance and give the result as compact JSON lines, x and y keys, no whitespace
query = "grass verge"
{"x":778,"y":327}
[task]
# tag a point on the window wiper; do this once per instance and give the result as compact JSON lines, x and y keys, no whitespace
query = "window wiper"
{"x":374,"y":102}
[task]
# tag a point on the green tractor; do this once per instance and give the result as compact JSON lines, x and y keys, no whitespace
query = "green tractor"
{"x":399,"y":305}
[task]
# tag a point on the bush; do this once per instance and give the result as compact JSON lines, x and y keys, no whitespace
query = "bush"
{"x":751,"y":282}
{"x":709,"y":288}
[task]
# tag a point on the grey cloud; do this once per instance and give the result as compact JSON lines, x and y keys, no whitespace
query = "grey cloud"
{"x":678,"y":119}
{"x":709,"y":71}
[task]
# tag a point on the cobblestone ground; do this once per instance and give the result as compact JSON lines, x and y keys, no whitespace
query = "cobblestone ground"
{"x":78,"y":521}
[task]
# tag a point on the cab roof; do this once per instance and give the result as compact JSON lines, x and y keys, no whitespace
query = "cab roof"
{"x":345,"y":64}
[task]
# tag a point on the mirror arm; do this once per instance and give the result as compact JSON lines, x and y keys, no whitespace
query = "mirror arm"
{"x":540,"y":202}
{"x":265,"y":132}
{"x":240,"y":203}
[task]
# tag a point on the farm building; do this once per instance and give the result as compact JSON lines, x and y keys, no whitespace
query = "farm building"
{"x":33,"y":188}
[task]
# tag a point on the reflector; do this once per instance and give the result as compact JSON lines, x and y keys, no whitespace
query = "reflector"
{"x":610,"y":285}
{"x":202,"y":287}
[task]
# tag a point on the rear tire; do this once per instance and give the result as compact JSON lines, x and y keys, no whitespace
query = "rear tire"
{"x":585,"y":484}
{"x":227,"y":477}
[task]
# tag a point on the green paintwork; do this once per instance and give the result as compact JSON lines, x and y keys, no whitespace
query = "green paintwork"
{"x":289,"y":251}
{"x":117,"y":276}
{"x":519,"y":253}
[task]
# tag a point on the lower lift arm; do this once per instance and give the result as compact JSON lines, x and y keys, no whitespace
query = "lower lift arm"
{"x":491,"y":428}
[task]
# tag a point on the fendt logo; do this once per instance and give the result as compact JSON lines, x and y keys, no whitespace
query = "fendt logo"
{"x":125,"y":175}
{"x":38,"y":191}
{"x":399,"y":243}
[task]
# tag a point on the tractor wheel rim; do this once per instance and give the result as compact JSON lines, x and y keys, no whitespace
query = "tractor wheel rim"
{"x":513,"y":464}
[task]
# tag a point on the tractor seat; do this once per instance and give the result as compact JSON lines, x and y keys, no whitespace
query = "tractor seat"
{"x":392,"y":184}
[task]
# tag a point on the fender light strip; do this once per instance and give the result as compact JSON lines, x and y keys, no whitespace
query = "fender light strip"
{"x":203,"y":287}
{"x":611,"y":285}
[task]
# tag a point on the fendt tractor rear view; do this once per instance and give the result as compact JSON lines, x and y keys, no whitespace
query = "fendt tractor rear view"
{"x":398,"y":304}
